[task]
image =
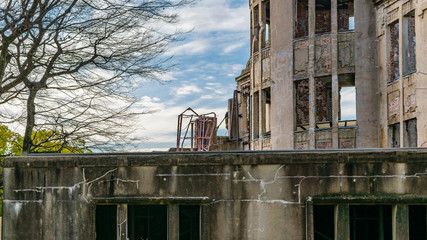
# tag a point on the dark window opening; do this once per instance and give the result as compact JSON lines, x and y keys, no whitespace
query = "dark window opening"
{"x":394,"y":135}
{"x":301,"y":20}
{"x":256,"y":115}
{"x":266,"y":22}
{"x":256,"y":28}
{"x":345,"y":15}
{"x":410,"y":131}
{"x":394,"y":52}
{"x":323,"y":16}
{"x":147,"y":222}
{"x":106,"y":222}
{"x":266,"y":111}
{"x":417,"y":222}
{"x":409,"y":38}
{"x":189,"y":222}
{"x":324,"y":101}
{"x":302,"y":104}
{"x":323,"y":222}
{"x":370,"y":222}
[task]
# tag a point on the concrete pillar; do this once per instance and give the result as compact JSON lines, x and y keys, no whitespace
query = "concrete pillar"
{"x":311,"y":72}
{"x":335,"y":83}
{"x":342,"y":222}
{"x":309,"y":220}
{"x":402,"y":98}
{"x":365,"y":73}
{"x":122,"y":221}
{"x":205,"y":222}
{"x":282,"y":94}
{"x":173,"y":222}
{"x":400,"y":221}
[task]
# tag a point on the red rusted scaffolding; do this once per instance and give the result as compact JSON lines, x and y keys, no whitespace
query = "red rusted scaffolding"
{"x":199,"y":130}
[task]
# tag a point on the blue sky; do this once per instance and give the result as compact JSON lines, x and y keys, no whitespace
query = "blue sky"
{"x":208,"y":60}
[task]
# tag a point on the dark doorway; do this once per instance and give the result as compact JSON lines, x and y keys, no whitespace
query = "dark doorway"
{"x":323,"y":222}
{"x":417,"y":222}
{"x":106,"y":223}
{"x":147,"y":222}
{"x":370,"y":222}
{"x":189,"y":227}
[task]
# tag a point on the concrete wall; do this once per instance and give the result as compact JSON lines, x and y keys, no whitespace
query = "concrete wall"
{"x":243,"y":195}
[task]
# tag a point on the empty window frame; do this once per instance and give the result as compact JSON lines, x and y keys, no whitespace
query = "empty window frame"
{"x":323,"y":16}
{"x":256,"y":115}
{"x":347,"y":97}
{"x":301,"y":19}
{"x":394,"y":135}
{"x":372,"y":222}
{"x":189,"y":222}
{"x":266,"y":33}
{"x":324,"y":100}
{"x":106,"y":222}
{"x":409,"y":42}
{"x":410,"y":133}
{"x":302,"y":104}
{"x":147,"y":222}
{"x":266,"y":101}
{"x":256,"y":30}
{"x":323,"y":220}
{"x":345,"y":15}
{"x":417,"y":222}
{"x":393,"y":66}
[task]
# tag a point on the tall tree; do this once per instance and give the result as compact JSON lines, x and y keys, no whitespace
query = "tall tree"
{"x":74,"y":63}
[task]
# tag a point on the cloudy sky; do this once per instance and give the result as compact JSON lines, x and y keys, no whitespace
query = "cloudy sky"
{"x":208,"y":60}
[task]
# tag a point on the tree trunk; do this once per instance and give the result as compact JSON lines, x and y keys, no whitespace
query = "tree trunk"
{"x":31,"y":112}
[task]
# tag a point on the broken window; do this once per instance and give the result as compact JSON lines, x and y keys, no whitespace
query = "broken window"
{"x":189,"y":224}
{"x":323,"y":16}
{"x":409,"y":54}
{"x":347,"y":97}
{"x":323,"y":220}
{"x":302,"y":104}
{"x":256,"y":21}
{"x":147,"y":222}
{"x":256,"y":115}
{"x":301,"y":20}
{"x":410,"y":133}
{"x":345,"y":15}
{"x":324,"y":100}
{"x":266,"y":24}
{"x":105,"y":222}
{"x":267,"y":106}
{"x":394,"y":52}
{"x":394,"y":135}
{"x":370,"y":222}
{"x":417,"y":222}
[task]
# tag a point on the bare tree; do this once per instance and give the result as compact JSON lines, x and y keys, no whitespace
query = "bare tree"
{"x":74,"y":63}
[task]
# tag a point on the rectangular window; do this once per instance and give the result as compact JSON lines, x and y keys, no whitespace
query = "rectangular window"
{"x":323,"y":16}
{"x":267,"y":106}
{"x":324,"y":100}
{"x":394,"y":52}
{"x":256,"y":115}
{"x":417,"y":222}
{"x":147,"y":222}
{"x":323,"y":222}
{"x":409,"y":50}
{"x":347,"y":97}
{"x":301,"y":20}
{"x":370,"y":222}
{"x":345,"y":15}
{"x":410,"y":131}
{"x":394,"y":135}
{"x":189,"y":222}
{"x":266,"y":22}
{"x":302,"y":104}
{"x":106,"y":222}
{"x":256,"y":28}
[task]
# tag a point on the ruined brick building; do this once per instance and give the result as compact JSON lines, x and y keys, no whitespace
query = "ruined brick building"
{"x":305,"y":53}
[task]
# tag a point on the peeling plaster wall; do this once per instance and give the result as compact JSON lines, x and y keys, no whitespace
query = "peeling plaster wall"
{"x":256,"y":195}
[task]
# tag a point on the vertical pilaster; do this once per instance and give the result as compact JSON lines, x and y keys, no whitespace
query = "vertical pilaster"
{"x":122,"y":221}
{"x":335,"y":83}
{"x":402,"y":98}
{"x":342,"y":222}
{"x":205,"y":222}
{"x":400,"y":221}
{"x":309,"y":220}
{"x":311,"y":72}
{"x":173,"y":222}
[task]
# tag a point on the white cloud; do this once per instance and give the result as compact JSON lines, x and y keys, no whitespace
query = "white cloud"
{"x":187,"y":90}
{"x":348,"y":103}
{"x":190,"y":48}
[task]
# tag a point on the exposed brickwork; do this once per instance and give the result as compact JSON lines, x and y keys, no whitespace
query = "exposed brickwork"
{"x":323,"y":100}
{"x":302,"y":106}
{"x":393,"y":72}
{"x":301,"y":23}
{"x":323,"y":20}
